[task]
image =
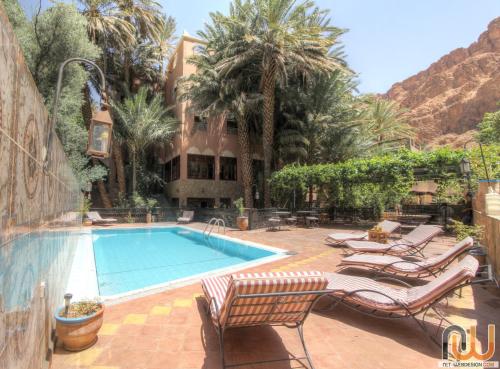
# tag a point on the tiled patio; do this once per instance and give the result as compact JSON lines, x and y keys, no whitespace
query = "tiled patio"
{"x":170,"y":329}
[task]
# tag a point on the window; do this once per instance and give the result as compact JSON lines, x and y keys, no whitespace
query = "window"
{"x":176,"y":168}
{"x":200,"y":123}
{"x":167,"y":175}
{"x":195,"y":202}
{"x":201,"y":167}
{"x":174,"y":202}
{"x":231,"y":127}
{"x":228,"y":169}
{"x":225,"y":202}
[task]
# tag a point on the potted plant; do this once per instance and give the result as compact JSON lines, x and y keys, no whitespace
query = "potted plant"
{"x":78,"y":323}
{"x":86,"y":204}
{"x":241,"y":221}
{"x":149,"y":204}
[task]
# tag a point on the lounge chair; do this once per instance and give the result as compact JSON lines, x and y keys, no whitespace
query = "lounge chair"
{"x":406,"y":268}
{"x":96,"y":218}
{"x":380,"y":300}
{"x":410,"y":244}
{"x":337,"y":239}
{"x":243,"y":300}
{"x":187,"y":217}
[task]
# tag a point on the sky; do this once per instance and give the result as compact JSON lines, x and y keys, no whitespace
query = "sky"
{"x":387,"y":40}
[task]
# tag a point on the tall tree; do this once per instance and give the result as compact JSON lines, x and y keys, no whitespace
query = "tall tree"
{"x":143,"y":123}
{"x":285,"y":37}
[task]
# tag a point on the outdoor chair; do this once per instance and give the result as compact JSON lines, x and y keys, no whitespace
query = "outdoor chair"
{"x":291,"y":221}
{"x":375,"y":299}
{"x":312,"y":221}
{"x":337,"y":239}
{"x":187,"y":217}
{"x":96,"y":218}
{"x":410,"y":244}
{"x":399,"y":267}
{"x":273,"y":224}
{"x":259,"y":299}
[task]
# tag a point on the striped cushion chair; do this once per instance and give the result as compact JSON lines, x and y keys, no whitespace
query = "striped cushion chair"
{"x":410,"y":244}
{"x":252,"y":299}
{"x":374,"y":298}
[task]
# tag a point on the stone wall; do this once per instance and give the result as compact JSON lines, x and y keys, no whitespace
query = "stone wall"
{"x":491,"y":224}
{"x":37,"y":211}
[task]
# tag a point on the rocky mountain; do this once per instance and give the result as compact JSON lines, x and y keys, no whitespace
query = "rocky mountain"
{"x":447,"y":100}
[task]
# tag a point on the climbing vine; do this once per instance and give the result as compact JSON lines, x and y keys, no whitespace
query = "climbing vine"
{"x":378,"y":182}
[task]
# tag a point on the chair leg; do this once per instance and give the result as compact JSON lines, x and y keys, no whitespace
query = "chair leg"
{"x":221,"y":347}
{"x":301,"y":335}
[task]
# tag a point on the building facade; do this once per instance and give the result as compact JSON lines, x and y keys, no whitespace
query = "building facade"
{"x":201,"y":165}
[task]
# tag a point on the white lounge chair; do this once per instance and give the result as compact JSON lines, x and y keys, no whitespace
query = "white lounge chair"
{"x":96,"y":218}
{"x":187,"y":217}
{"x":337,"y":239}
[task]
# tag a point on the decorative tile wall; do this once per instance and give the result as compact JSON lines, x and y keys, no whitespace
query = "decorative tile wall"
{"x":39,"y":219}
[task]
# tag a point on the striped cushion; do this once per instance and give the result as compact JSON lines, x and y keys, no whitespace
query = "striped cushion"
{"x":342,"y":284}
{"x":417,"y":237}
{"x":380,"y":261}
{"x":451,"y":253}
{"x":422,"y":295}
{"x":371,"y":246}
{"x":238,"y":311}
{"x":389,"y":226}
{"x":216,"y":288}
{"x":413,"y":298}
{"x":421,"y":234}
{"x":347,"y":236}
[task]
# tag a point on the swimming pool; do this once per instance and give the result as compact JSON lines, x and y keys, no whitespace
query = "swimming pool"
{"x":130,"y":260}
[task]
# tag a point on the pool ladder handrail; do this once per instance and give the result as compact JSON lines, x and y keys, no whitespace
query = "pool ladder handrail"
{"x":211,"y":225}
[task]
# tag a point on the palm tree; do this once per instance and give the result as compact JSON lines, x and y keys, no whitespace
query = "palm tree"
{"x":386,"y":123}
{"x":285,"y":37}
{"x":143,"y":123}
{"x":106,"y":24}
{"x":210,"y":94}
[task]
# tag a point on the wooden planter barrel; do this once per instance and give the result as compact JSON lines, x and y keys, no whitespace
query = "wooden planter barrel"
{"x":78,"y":333}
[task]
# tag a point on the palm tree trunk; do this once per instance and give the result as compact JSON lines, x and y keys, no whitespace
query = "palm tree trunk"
{"x":269,"y":84}
{"x":245,"y":159}
{"x":134,"y":171}
{"x":120,"y":168}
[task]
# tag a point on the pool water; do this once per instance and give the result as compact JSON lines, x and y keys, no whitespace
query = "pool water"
{"x":133,"y":259}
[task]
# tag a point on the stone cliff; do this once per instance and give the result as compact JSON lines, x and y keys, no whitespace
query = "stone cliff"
{"x":449,"y":98}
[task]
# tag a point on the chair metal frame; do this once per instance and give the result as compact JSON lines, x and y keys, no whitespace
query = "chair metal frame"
{"x":423,"y":272}
{"x":404,"y":310}
{"x":278,"y":298}
{"x":411,"y":250}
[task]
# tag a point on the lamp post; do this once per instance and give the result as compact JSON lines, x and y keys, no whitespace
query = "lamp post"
{"x":465,"y":167}
{"x":101,"y":127}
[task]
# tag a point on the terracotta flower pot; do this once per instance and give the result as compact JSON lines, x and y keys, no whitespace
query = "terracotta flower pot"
{"x":242,"y":223}
{"x":87,"y":222}
{"x":78,"y":333}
